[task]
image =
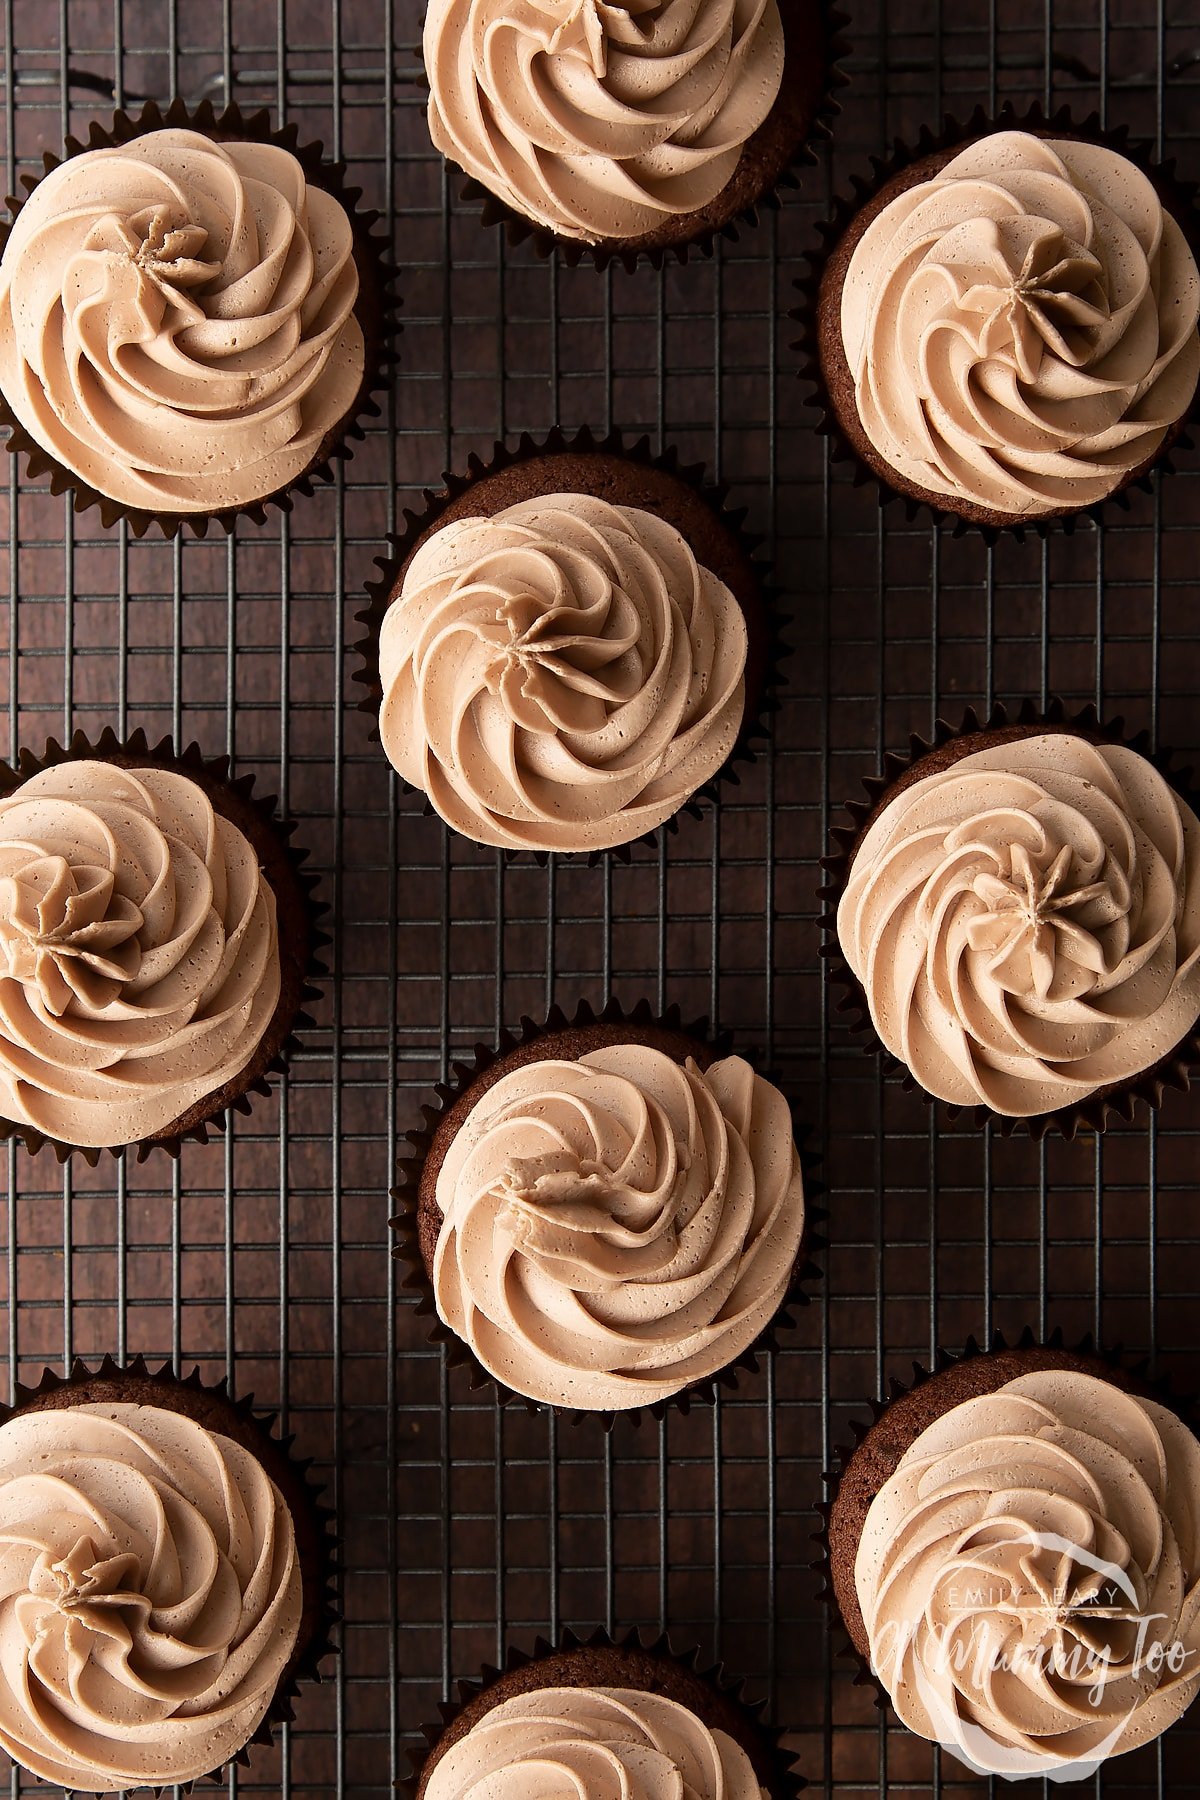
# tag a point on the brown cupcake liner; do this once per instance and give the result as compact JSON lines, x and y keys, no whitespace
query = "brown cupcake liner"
{"x":1172,"y":1072}
{"x":1134,"y":1375}
{"x":520,"y":229}
{"x":255,"y":1431}
{"x":761,"y":704}
{"x":376,"y":309}
{"x":406,"y":1247}
{"x":682,"y":1669}
{"x":1179,"y":198}
{"x":283,"y":863}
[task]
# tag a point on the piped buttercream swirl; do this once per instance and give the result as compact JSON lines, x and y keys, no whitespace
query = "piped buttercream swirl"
{"x":1030,"y":1575}
{"x":617,"y":1227}
{"x":1025,"y":923}
{"x":150,"y":1596}
{"x":1021,"y":327}
{"x":607,"y":1743}
{"x":139,"y":957}
{"x":176,"y":320}
{"x":561,"y":676}
{"x":598,"y":120}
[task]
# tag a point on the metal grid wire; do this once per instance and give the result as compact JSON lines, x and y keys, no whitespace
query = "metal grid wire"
{"x":266,"y":1254}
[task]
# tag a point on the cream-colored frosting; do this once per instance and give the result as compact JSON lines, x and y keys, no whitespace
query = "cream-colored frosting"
{"x":1021,"y":328}
{"x":150,"y":1596}
{"x":1017,"y":1569}
{"x":1026,"y":923}
{"x":617,"y":1227}
{"x":561,"y":676}
{"x":597,"y":120}
{"x":139,"y":957}
{"x":605,"y":1743}
{"x":176,"y":320}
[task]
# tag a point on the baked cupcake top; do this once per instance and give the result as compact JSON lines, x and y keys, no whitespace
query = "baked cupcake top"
{"x":608,"y":1743}
{"x":139,"y":956}
{"x":563,"y":675}
{"x":618,"y":1227}
{"x":177,"y":323}
{"x":151,"y":1596}
{"x":1021,"y":328}
{"x":1018,"y":1570}
{"x":598,"y":121}
{"x":1025,"y":923}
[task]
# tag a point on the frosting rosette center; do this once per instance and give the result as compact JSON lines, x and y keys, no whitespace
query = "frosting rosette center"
{"x":67,"y":932}
{"x":617,"y":1227}
{"x":561,"y":676}
{"x":178,"y":321}
{"x":146,"y":262}
{"x":81,"y":1580}
{"x":1025,"y":924}
{"x":150,"y":1596}
{"x":1030,"y":932}
{"x":596,"y":120}
{"x":1034,"y":291}
{"x":1030,"y":1576}
{"x":139,"y":956}
{"x":1021,"y":327}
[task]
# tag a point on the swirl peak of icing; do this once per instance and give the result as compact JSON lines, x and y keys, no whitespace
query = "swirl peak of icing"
{"x":151,"y":1596}
{"x":1021,"y":328}
{"x":139,"y":957}
{"x":617,"y":1227}
{"x":1025,"y":923}
{"x":598,"y":120}
{"x":1029,"y":1575}
{"x":177,"y":320}
{"x":561,"y":676}
{"x":607,"y":1743}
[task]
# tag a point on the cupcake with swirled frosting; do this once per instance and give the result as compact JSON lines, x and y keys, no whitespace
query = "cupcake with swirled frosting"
{"x":1006,"y":328}
{"x":570,"y":647}
{"x":615,"y":1720}
{"x":629,"y":130}
{"x":165,"y":1579}
{"x":191,"y":319}
{"x":1019,"y":916}
{"x":155,"y":944}
{"x":607,"y":1215}
{"x":1014,"y":1550}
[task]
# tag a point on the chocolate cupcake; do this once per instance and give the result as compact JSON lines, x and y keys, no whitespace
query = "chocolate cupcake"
{"x":606,"y":1214}
{"x":156,"y":944}
{"x":193,"y":315}
{"x":570,"y":646}
{"x":1003,"y":326}
{"x":167,"y":1579}
{"x":1013,"y":1550}
{"x":618,"y":1717}
{"x":1016,"y":915}
{"x":622,"y":133}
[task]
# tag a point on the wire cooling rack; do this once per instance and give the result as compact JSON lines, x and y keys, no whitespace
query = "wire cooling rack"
{"x":266,"y":1253}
